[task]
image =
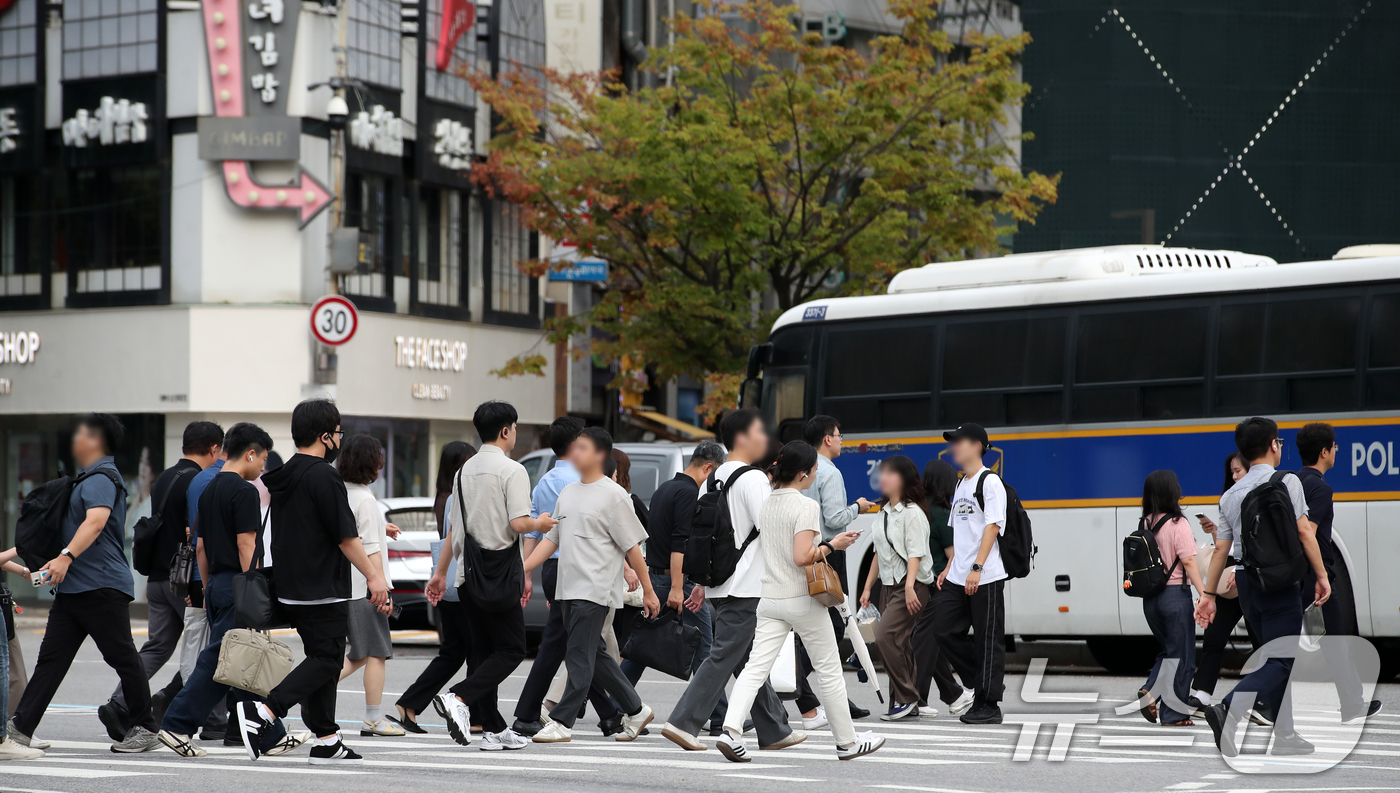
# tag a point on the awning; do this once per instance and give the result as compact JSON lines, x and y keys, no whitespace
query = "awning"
{"x":674,"y":427}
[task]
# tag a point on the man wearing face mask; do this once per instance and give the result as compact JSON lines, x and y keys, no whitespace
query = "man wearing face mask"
{"x":314,"y":542}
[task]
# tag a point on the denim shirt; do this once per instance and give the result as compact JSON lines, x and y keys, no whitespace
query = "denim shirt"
{"x":103,"y":565}
{"x":829,"y":490}
{"x":547,"y":492}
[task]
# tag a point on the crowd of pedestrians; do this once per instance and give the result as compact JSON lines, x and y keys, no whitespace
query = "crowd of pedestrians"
{"x":739,"y":548}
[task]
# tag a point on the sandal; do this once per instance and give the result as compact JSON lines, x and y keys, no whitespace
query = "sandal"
{"x":405,"y":721}
{"x":1148,"y":706}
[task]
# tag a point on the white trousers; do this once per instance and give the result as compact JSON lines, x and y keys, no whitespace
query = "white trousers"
{"x":813,"y":625}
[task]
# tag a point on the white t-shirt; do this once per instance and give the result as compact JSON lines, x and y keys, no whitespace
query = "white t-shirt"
{"x":746,"y":499}
{"x":969,"y":521}
{"x":370,"y":523}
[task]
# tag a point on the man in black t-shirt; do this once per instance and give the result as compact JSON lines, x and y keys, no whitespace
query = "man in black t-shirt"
{"x":1317,"y":446}
{"x":229,"y":527}
{"x":314,"y":542}
{"x":166,"y":622}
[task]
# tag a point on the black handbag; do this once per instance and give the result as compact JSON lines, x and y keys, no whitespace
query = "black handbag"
{"x":255,"y":604}
{"x":145,"y":535}
{"x":182,"y":569}
{"x":665,"y":644}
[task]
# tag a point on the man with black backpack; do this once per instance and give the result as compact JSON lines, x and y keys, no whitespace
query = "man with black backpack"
{"x":973,"y":592}
{"x":154,"y":543}
{"x":93,"y":589}
{"x":1266,"y":516}
{"x":722,"y":555}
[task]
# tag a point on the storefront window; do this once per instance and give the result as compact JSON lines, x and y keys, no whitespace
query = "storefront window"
{"x":440,"y":247}
{"x":21,"y":262}
{"x":368,"y":211}
{"x":114,"y":232}
{"x":405,"y":444}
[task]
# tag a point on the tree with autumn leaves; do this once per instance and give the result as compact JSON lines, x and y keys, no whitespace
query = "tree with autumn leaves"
{"x":765,"y":169}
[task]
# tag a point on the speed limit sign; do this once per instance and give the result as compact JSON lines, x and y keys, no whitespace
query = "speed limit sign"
{"x":334,"y":320}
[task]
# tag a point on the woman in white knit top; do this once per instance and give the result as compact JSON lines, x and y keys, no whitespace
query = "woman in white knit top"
{"x":789,"y":527}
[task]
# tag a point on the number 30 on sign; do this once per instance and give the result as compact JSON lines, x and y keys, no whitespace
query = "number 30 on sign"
{"x":334,"y":320}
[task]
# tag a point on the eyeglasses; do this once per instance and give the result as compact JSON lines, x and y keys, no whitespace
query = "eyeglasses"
{"x":339,"y":434}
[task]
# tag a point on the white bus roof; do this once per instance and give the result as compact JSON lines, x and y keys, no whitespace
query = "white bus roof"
{"x":1085,"y":275}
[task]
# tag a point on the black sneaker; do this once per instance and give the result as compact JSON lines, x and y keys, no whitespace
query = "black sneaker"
{"x":716,"y":728}
{"x":1216,"y":717}
{"x":529,"y":728}
{"x":337,"y":754}
{"x":210,"y":734}
{"x":857,"y":712}
{"x":985,"y":713}
{"x":1198,"y":708}
{"x":1290,"y":744}
{"x":233,"y":738}
{"x":250,"y":727}
{"x":610,"y":726}
{"x":113,"y":717}
{"x":159,"y":702}
{"x":1372,"y":708}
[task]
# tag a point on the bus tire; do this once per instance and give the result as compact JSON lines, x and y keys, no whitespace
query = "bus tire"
{"x":1124,"y":655}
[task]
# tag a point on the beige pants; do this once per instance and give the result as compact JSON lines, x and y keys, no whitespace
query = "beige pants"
{"x":18,"y":677}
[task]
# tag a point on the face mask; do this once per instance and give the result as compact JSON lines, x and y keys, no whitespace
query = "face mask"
{"x":332,"y":452}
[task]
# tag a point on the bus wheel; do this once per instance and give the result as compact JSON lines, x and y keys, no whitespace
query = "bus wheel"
{"x":1124,"y":655}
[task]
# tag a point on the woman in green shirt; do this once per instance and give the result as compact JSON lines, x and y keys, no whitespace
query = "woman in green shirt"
{"x":940,"y":480}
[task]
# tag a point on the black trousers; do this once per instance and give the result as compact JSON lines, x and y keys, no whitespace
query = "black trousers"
{"x":981,"y":658}
{"x":312,"y":682}
{"x":105,"y":615}
{"x":497,"y":642}
{"x":452,"y":654}
{"x":807,"y":700}
{"x":1216,"y":636}
{"x":550,"y":655}
{"x":586,"y":657}
{"x":932,"y":662}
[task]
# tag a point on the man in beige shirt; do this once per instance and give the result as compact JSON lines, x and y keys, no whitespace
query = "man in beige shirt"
{"x":597,"y":529}
{"x":491,"y":503}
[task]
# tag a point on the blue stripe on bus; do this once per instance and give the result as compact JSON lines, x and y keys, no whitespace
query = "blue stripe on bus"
{"x":1087,"y":467}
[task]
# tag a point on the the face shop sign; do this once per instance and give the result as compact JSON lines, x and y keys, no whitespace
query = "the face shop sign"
{"x":441,"y":355}
{"x":19,"y":347}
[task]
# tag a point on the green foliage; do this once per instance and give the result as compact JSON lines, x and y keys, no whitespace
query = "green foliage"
{"x":769,"y":163}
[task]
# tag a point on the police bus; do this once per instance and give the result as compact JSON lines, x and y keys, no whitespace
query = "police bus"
{"x":1093,"y":367}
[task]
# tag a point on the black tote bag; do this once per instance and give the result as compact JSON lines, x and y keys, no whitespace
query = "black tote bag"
{"x":665,"y":644}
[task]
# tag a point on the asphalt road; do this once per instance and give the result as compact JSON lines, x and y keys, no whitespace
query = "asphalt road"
{"x":1110,"y":754}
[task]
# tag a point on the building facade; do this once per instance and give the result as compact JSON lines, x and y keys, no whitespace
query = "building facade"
{"x":174,"y":196}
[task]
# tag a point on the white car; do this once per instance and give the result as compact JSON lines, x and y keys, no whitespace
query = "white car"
{"x":409,"y":563}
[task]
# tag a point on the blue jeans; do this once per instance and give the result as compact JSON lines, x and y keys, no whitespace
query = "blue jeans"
{"x":1170,"y":615}
{"x":700,"y":619}
{"x":1279,"y":613}
{"x":201,"y":694}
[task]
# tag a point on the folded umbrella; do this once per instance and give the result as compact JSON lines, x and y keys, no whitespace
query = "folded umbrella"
{"x":862,"y":652}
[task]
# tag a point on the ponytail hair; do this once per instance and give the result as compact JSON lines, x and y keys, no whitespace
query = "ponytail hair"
{"x":793,"y":460}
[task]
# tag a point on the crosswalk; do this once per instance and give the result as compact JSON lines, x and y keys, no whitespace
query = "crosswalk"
{"x":1181,"y":754}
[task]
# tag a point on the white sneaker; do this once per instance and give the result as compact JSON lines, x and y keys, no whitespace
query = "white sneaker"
{"x":289,"y":742}
{"x":928,"y":711}
{"x":632,"y":725}
{"x":459,"y":719}
{"x":182,"y":745}
{"x":383,"y":727}
{"x":25,"y":740}
{"x":682,"y":739}
{"x":9,"y":750}
{"x":816,"y":722}
{"x":962,"y":704}
{"x":733,"y":748}
{"x":504,"y":740}
{"x":866,"y":742}
{"x":554,"y":732}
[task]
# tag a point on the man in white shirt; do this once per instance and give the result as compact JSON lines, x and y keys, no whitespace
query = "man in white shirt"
{"x":735,"y":601}
{"x":972,"y":595}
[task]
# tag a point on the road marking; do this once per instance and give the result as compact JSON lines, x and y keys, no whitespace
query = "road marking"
{"x":24,"y":790}
{"x":1165,"y":741}
{"x":1189,"y":785}
{"x":773,"y":778}
{"x":184,"y":764}
{"x":71,"y":773}
{"x":927,"y":789}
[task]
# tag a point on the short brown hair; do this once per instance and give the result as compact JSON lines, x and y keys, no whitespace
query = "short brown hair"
{"x":361,"y":457}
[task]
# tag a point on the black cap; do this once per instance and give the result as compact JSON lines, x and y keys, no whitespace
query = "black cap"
{"x":968,"y":430}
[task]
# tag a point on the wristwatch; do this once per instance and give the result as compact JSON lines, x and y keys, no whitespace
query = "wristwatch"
{"x":68,"y":553}
{"x":976,"y":568}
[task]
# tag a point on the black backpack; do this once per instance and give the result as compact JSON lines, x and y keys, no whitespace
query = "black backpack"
{"x":1273,"y":554}
{"x":145,"y":534}
{"x":1016,"y":542}
{"x":39,"y":529}
{"x":1144,"y":575}
{"x":710,"y":555}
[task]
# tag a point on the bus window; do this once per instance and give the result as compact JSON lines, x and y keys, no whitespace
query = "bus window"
{"x":1287,"y":337}
{"x":992,"y":356}
{"x":1129,"y":347}
{"x":1383,"y":387}
{"x":880,"y":379}
{"x":783,"y":392}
